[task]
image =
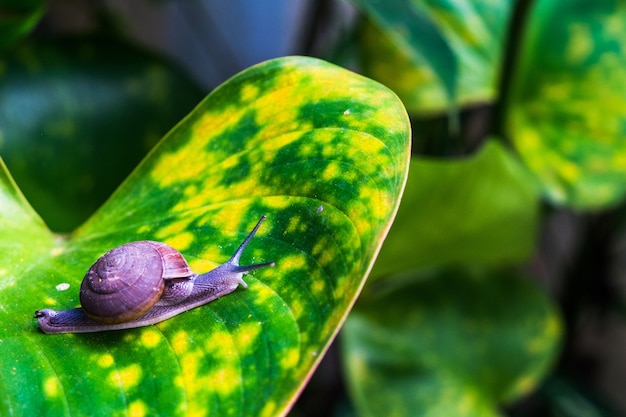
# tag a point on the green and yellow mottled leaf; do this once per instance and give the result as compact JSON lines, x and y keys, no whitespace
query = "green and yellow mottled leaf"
{"x":78,"y":114}
{"x":320,"y":150}
{"x":567,"y":110}
{"x":460,"y":53}
{"x":397,"y":32}
{"x":480,"y":210}
{"x":449,"y":344}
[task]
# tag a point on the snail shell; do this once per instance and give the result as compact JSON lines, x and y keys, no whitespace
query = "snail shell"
{"x":134,"y":273}
{"x":143,"y":283}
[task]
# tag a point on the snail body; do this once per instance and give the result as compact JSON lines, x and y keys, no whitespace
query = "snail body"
{"x":143,"y":283}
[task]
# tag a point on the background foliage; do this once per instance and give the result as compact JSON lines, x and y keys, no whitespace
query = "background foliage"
{"x":540,"y":77}
{"x":499,"y":290}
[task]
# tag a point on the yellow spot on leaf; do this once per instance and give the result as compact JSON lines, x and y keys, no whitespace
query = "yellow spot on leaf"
{"x":278,"y":112}
{"x":246,"y":335}
{"x":228,"y":376}
{"x":137,"y":409}
{"x":200,"y":266}
{"x":324,"y":252}
{"x":296,"y":309}
{"x":213,"y":369}
{"x":361,"y":223}
{"x":318,"y":287}
{"x":262,"y":294}
{"x":181,"y":241}
{"x":525,"y":385}
{"x":290,"y":359}
{"x":543,"y":340}
{"x":196,"y":410}
{"x":557,"y":91}
{"x":221,"y":342}
{"x":127,"y":377}
{"x":569,"y":171}
{"x":231,"y":223}
{"x":49,"y":301}
{"x":106,"y":361}
{"x":144,"y":228}
{"x":269,"y":409}
{"x":173,"y":229}
{"x":249,"y":92}
{"x":332,"y":171}
{"x":274,"y":144}
{"x":370,"y":145}
{"x":276,"y":203}
{"x":580,"y":45}
{"x":180,"y":343}
{"x":553,"y":327}
{"x":179,"y":381}
{"x":379,"y":202}
{"x":216,"y":122}
{"x":529,"y":140}
{"x":295,"y":225}
{"x":619,"y":160}
{"x":293,"y":262}
{"x":341,"y":289}
{"x":51,"y":387}
{"x":150,"y":338}
{"x":189,"y":364}
{"x":467,"y":403}
{"x":174,"y":167}
{"x":208,"y":373}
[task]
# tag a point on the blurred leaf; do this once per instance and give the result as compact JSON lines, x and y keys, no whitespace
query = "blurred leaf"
{"x":481,"y":210}
{"x":77,"y":115}
{"x":320,"y":150}
{"x":18,"y":18}
{"x":568,"y":107}
{"x":455,"y":344}
{"x":447,"y":46}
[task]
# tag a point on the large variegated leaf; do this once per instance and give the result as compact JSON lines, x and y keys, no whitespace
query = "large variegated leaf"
{"x":78,"y":114}
{"x":322,"y":151}
{"x":440,"y":48}
{"x":450,"y":343}
{"x":568,"y":108}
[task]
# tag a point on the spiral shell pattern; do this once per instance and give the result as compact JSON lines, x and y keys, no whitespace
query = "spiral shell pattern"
{"x":127,"y":281}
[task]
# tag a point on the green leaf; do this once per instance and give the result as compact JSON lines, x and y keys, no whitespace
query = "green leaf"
{"x":77,"y":115}
{"x":320,"y":150}
{"x":452,"y":344}
{"x":18,"y":18}
{"x":447,"y":46}
{"x":567,"y":116}
{"x":20,"y":226}
{"x":481,"y":210}
{"x":404,"y":27}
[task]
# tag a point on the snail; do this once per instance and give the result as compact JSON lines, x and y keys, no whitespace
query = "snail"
{"x":143,"y":283}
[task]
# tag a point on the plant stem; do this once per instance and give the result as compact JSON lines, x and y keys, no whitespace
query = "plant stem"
{"x":512,"y":50}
